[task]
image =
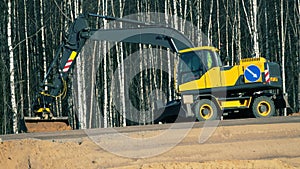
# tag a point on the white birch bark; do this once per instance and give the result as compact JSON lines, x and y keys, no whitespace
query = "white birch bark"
{"x":93,"y":109}
{"x":227,"y":32}
{"x":121,"y":70}
{"x":254,"y":28}
{"x":199,"y":22}
{"x":278,"y":32}
{"x":141,"y":87}
{"x":283,"y":49}
{"x":81,"y":92}
{"x":105,"y":117}
{"x":218,"y":24}
{"x":194,"y":36}
{"x":43,"y":40}
{"x":168,"y":51}
{"x":12,"y":67}
{"x":175,"y":17}
{"x":267,"y":31}
{"x":81,"y":74}
{"x":181,"y":15}
{"x":72,"y":13}
{"x":209,"y":30}
{"x":233,"y":34}
{"x":247,"y":17}
{"x":185,"y":15}
{"x":239,"y":36}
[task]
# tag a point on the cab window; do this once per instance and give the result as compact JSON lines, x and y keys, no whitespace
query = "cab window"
{"x":192,"y":65}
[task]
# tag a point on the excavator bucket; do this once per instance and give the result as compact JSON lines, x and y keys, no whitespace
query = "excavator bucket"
{"x":36,"y":124}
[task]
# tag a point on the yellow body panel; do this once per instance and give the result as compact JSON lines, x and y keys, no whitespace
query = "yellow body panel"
{"x":213,"y":78}
{"x":230,"y":77}
{"x":216,"y":77}
{"x":234,"y":103}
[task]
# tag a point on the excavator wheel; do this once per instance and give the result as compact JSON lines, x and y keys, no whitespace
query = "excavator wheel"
{"x":206,"y":110}
{"x":263,"y":106}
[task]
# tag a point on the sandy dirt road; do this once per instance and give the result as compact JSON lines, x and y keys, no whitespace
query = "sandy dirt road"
{"x":240,"y":146}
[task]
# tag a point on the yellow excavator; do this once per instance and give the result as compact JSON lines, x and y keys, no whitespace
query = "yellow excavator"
{"x":56,"y":79}
{"x":205,"y":87}
{"x":209,"y":90}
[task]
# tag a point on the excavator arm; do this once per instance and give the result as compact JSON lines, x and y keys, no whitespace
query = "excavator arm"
{"x":78,"y":33}
{"x":65,"y":57}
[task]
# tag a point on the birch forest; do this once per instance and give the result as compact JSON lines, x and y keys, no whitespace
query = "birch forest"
{"x":31,"y":31}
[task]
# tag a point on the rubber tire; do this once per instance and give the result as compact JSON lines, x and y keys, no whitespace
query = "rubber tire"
{"x":263,"y":102}
{"x":207,"y":105}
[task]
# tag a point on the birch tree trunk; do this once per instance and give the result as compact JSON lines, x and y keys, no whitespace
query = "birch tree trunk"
{"x":194,"y":34}
{"x":239,"y":36}
{"x":283,"y":49}
{"x":175,"y":17}
{"x":92,"y":108}
{"x":168,"y":51}
{"x":105,"y":117}
{"x":184,"y":15}
{"x":140,"y":119}
{"x":233,"y":34}
{"x":278,"y":33}
{"x":227,"y":31}
{"x":254,"y":28}
{"x":218,"y":24}
{"x":81,"y":81}
{"x":209,"y":30}
{"x":43,"y":39}
{"x":267,"y":31}
{"x":121,"y":70}
{"x":81,"y":91}
{"x":12,"y":67}
{"x":199,"y":22}
{"x":97,"y":121}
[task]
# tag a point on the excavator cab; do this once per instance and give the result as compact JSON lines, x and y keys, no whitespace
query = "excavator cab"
{"x":195,"y":62}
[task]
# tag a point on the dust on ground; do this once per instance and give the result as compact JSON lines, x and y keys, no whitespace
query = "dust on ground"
{"x":273,"y":146}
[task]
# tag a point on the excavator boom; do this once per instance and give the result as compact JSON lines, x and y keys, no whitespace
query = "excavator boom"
{"x":78,"y":33}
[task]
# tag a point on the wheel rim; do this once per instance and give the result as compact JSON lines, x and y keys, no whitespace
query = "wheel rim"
{"x":206,"y":111}
{"x":263,"y":108}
